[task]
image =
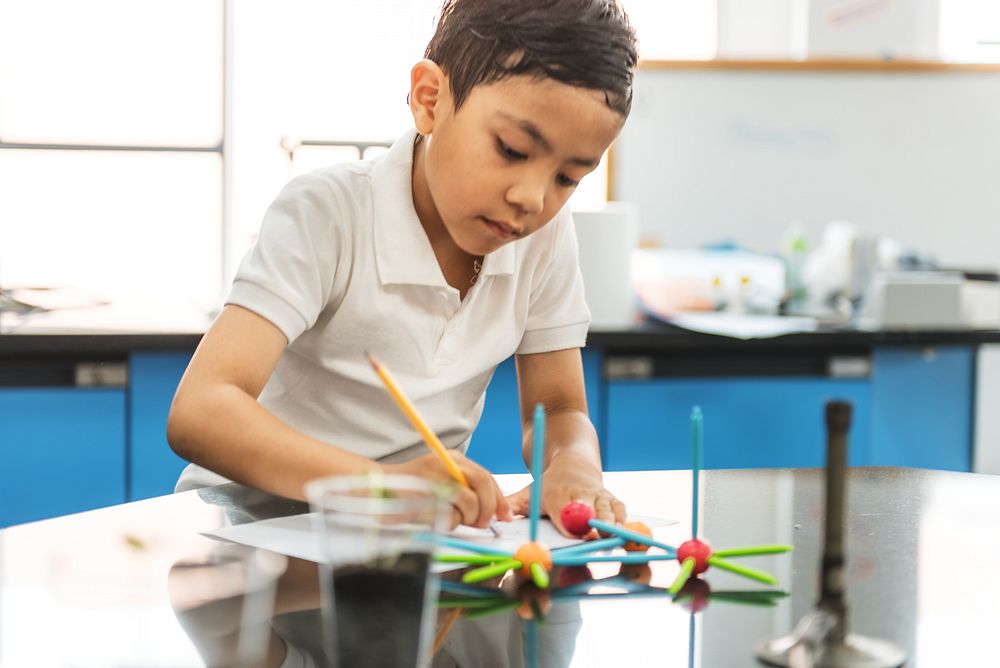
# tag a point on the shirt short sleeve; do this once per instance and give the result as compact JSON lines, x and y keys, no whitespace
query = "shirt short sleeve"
{"x":558,"y":317}
{"x":286,"y":276}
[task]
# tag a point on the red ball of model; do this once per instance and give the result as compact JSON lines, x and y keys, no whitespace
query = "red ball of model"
{"x":700,"y":550}
{"x":576,"y":516}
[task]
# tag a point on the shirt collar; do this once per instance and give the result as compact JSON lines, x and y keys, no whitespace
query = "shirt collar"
{"x":403,"y":254}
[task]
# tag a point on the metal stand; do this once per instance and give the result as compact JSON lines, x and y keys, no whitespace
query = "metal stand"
{"x":821,"y":638}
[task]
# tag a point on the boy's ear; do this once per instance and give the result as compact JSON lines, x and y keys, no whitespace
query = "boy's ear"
{"x":428,"y":90}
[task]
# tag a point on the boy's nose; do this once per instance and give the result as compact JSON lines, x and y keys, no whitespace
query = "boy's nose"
{"x":528,"y":195}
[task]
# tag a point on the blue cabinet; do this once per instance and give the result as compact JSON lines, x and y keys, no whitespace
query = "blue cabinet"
{"x":496,"y":443}
{"x":923,"y":407}
{"x":153,"y":378}
{"x":67,"y":449}
{"x":748,"y":422}
{"x":914,"y":409}
{"x":62,"y":450}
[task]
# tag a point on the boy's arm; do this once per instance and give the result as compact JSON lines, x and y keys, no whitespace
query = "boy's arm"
{"x":572,"y":464}
{"x":216,"y":422}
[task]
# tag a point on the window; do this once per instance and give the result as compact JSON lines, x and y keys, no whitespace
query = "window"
{"x":970,"y":31}
{"x":111,"y":160}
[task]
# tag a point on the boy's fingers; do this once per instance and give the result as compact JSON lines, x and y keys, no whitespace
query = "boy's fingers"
{"x":504,"y":513}
{"x":557,"y":522}
{"x":466,"y":503}
{"x":520,"y":501}
{"x":619,"y":510}
{"x":487,"y":508}
{"x":485,"y":488}
{"x":603,"y":510}
{"x":609,"y":509}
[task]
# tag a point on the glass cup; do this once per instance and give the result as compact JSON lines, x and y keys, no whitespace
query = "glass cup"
{"x":377,"y":538}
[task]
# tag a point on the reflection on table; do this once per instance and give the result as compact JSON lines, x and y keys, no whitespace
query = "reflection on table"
{"x":95,"y":589}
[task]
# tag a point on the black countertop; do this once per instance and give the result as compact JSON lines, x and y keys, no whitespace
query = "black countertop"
{"x":654,"y":336}
{"x":648,"y":338}
{"x":88,"y":344}
{"x":120,"y":339}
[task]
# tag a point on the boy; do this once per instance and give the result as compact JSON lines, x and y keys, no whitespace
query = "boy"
{"x":443,"y":257}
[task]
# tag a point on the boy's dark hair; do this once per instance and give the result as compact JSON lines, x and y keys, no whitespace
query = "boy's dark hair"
{"x":586,"y":43}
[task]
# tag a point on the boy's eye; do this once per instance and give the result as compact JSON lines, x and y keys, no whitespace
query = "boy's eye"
{"x":564,"y":180}
{"x":508,"y":152}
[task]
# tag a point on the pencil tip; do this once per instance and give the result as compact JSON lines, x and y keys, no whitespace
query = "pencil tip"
{"x":371,"y":358}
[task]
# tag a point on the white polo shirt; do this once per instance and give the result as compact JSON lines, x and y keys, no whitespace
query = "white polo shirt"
{"x":342,"y":266}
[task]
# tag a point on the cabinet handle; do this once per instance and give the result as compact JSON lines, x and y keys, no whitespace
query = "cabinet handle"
{"x":850,"y":366}
{"x":620,"y":368}
{"x":101,"y":374}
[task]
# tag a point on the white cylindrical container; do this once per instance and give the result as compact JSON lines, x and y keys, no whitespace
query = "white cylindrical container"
{"x":606,"y":239}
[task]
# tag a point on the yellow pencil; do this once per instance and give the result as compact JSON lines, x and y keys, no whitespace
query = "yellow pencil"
{"x":430,"y":438}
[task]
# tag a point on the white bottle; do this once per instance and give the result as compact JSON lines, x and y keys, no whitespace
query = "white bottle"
{"x":738,"y":296}
{"x":794,"y":251}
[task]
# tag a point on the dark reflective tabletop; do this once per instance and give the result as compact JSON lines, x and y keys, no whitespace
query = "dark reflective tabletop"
{"x":103,"y":588}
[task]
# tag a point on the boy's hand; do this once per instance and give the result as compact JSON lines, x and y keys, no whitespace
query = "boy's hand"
{"x":562,"y":484}
{"x":475,"y":505}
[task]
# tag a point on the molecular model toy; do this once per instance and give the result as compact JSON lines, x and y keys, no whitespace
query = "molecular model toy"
{"x":533,"y":561}
{"x":696,"y":555}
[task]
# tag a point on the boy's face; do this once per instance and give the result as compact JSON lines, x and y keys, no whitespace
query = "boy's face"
{"x":507,"y":161}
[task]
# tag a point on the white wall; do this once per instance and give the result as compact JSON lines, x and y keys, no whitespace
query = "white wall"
{"x":726,"y":154}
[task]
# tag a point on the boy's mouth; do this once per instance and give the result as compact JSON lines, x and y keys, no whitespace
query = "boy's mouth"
{"x":501,"y":229}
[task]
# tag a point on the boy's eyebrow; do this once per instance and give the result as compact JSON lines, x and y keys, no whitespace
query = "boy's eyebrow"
{"x":532,"y":130}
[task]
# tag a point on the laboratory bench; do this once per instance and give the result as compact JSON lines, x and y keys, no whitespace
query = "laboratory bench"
{"x":85,"y":411}
{"x":139,"y":585}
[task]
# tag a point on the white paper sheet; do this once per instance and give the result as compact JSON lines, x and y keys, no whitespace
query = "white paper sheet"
{"x":293,"y":535}
{"x":743,"y":326}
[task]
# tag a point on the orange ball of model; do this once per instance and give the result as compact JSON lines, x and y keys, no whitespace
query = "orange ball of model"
{"x":637,"y":527}
{"x":533,"y":553}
